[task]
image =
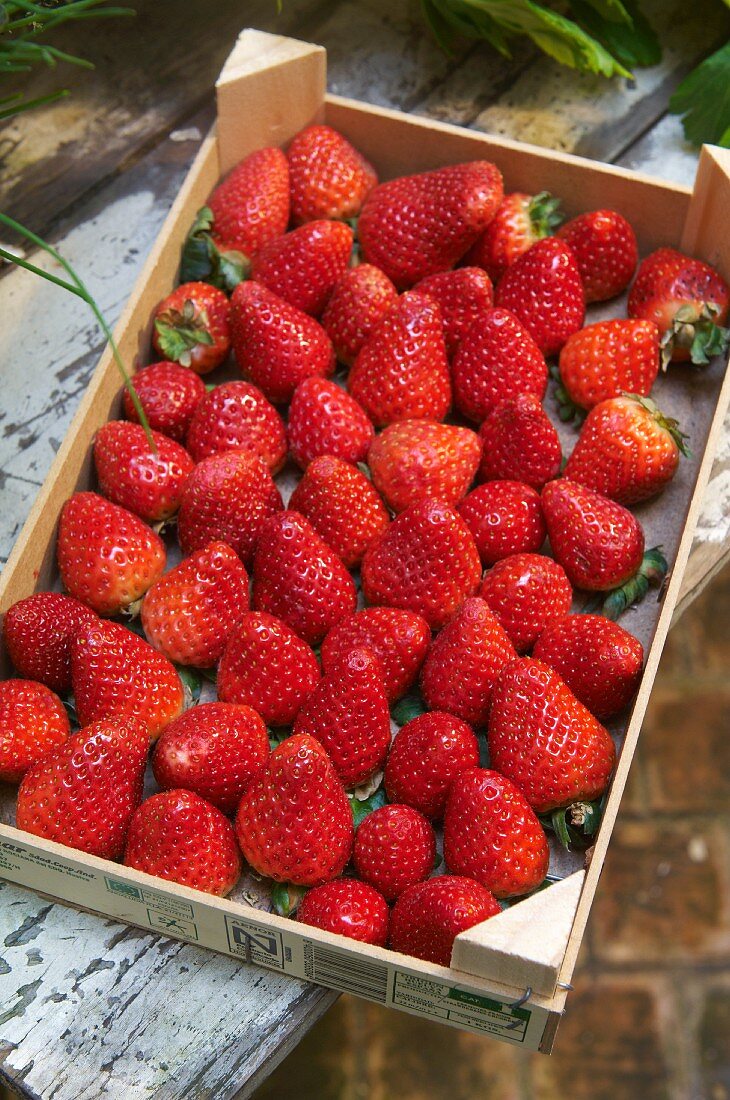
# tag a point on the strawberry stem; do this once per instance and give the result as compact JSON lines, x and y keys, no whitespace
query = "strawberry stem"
{"x":575,"y":825}
{"x":650,"y":573}
{"x":696,"y":332}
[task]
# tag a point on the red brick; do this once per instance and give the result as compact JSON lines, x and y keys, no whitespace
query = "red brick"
{"x":685,"y":752}
{"x":714,"y":1045}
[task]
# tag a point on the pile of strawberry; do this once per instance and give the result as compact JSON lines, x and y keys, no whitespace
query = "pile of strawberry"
{"x":461,"y":295}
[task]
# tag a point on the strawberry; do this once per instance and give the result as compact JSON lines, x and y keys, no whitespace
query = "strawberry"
{"x":492,"y":835}
{"x":325,"y":420}
{"x":426,"y":562}
{"x":463,"y":296}
{"x":527,"y":592}
{"x":169,"y":395}
{"x":545,"y":741}
{"x":599,"y":661}
{"x":605,"y":250}
{"x":251,"y":206}
{"x":627,"y":449}
{"x":427,"y":917}
{"x":189,"y":612}
{"x":417,"y":225}
{"x":426,"y":756}
{"x":107,"y":557}
{"x":191,"y":327}
{"x":213,"y":750}
{"x":520,"y":220}
{"x":84,"y":794}
{"x":132,"y":475}
{"x":227,"y":498}
{"x":519,"y":443}
{"x":114,"y":671}
{"x":687,"y":300}
{"x":342,"y":507}
{"x":329,"y":178}
{"x":348,"y":714}
{"x":347,"y":908}
{"x":237,"y":417}
{"x":496,"y":359}
{"x":303,"y":266}
{"x":358,"y":303}
{"x":464,"y":662}
{"x":395,"y":847}
{"x":276,"y":344}
{"x":267,"y":667}
{"x":180,"y":837}
{"x":294,"y":821}
{"x":398,"y":638}
{"x":415,"y":459}
{"x":38,"y":631}
{"x":544,"y":289}
{"x":605,"y":360}
{"x":299,"y":579}
{"x":505,"y":517}
{"x":33,"y":722}
{"x":402,"y":372}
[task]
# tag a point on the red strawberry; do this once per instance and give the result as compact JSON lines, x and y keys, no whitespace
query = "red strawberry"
{"x":237,"y":417}
{"x":415,"y":459}
{"x":348,"y":714}
{"x":358,"y":304}
{"x":131,"y":475}
{"x":414,"y":226}
{"x":299,"y":579}
{"x":402,"y":372}
{"x":545,"y":741}
{"x":33,"y":722}
{"x":342,"y":507}
{"x":276,"y":344}
{"x":626,"y":450}
{"x":527,"y":592}
{"x":519,"y":222}
{"x":347,"y":908}
{"x":294,"y":822}
{"x":496,"y":359}
{"x":84,"y":794}
{"x":426,"y":562}
{"x":464,"y":662}
{"x":214,"y":750}
{"x":169,"y":395}
{"x":325,"y":420}
{"x":687,"y":300}
{"x":398,"y":638}
{"x":395,"y":847}
{"x":191,"y":326}
{"x":464,"y":296}
{"x":38,"y":632}
{"x":190,"y":611}
{"x":599,"y":543}
{"x":505,"y":517}
{"x":227,"y":498}
{"x":303,"y":266}
{"x":114,"y":671}
{"x":426,"y":756}
{"x":329,"y":178}
{"x":599,"y":661}
{"x":519,"y":443}
{"x":251,"y":206}
{"x":180,"y":837}
{"x":605,"y":249}
{"x":267,"y":667}
{"x":492,"y":835}
{"x":427,"y":917}
{"x":607,"y":359}
{"x":107,"y":557}
{"x":544,"y":289}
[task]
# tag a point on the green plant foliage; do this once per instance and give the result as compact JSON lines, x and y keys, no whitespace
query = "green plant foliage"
{"x":703,"y":98}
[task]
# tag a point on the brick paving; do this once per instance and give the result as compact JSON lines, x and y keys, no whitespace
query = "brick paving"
{"x":650,"y":1015}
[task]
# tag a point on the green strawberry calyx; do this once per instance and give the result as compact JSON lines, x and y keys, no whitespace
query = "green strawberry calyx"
{"x":696,"y":331}
{"x":286,"y":898}
{"x":204,"y":261}
{"x":575,"y":825}
{"x":567,"y":408}
{"x":650,"y":574}
{"x":666,"y":423}
{"x":181,"y":331}
{"x":544,"y":213}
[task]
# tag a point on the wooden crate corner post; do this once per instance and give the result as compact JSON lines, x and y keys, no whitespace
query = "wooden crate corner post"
{"x":709,"y":208}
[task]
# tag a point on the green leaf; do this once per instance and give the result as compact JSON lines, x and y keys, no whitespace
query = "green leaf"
{"x":611,"y":10}
{"x":286,"y":897}
{"x":703,"y":98}
{"x":407,"y":708}
{"x":633,"y":41}
{"x":361,"y":809}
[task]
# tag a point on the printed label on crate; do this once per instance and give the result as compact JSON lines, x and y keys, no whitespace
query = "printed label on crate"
{"x":12,"y":856}
{"x":256,"y":943}
{"x":172,"y":926}
{"x":151,"y":898}
{"x":459,"y":1006}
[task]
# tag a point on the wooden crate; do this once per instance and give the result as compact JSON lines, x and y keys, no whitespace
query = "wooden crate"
{"x":509,"y":976}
